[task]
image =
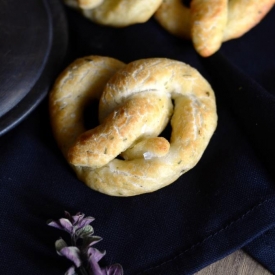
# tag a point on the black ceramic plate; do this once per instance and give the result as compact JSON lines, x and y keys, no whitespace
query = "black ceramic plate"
{"x":33,"y":46}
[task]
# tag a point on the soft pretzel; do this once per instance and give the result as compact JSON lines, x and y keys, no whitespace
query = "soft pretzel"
{"x":116,"y":13}
{"x":136,"y":103}
{"x":209,"y":23}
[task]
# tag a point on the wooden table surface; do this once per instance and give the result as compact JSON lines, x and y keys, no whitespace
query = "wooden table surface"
{"x":238,"y":263}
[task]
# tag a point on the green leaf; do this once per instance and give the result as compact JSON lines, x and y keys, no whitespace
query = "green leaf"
{"x":59,"y":244}
{"x":86,"y":231}
{"x":90,"y":241}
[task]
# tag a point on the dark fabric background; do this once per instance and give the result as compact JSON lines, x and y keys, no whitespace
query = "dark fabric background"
{"x":223,"y":204}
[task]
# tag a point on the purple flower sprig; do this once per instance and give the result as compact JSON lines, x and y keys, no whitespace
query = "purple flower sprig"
{"x":81,"y":251}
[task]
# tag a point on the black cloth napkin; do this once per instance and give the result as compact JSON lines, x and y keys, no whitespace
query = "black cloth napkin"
{"x":223,"y":204}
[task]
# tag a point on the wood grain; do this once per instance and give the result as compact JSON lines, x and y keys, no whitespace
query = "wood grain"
{"x":238,"y":263}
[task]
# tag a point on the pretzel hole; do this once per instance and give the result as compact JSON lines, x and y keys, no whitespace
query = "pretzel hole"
{"x":90,"y":114}
{"x":166,"y":133}
{"x":186,"y":3}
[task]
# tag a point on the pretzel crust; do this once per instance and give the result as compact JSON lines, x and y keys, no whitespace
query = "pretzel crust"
{"x":209,"y":23}
{"x":89,"y":4}
{"x":135,"y":106}
{"x":116,"y":13}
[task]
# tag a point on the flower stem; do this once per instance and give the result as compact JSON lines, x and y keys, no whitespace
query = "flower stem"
{"x":81,"y":268}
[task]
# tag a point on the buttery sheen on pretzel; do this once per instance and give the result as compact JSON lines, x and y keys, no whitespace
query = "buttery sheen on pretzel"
{"x":137,"y":101}
{"x":209,"y":23}
{"x":116,"y":13}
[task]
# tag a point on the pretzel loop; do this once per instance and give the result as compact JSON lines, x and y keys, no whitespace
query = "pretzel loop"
{"x":137,"y":102}
{"x":209,"y":23}
{"x":116,"y":13}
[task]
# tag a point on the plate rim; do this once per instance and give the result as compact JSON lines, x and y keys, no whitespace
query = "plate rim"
{"x":58,"y":50}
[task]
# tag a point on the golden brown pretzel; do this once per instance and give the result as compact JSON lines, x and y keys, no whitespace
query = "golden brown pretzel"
{"x":135,"y":106}
{"x":116,"y":13}
{"x":209,"y":23}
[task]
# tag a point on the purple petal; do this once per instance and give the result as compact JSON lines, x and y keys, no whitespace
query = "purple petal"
{"x":115,"y":269}
{"x":66,"y":225}
{"x":94,"y":268}
{"x":74,"y":219}
{"x":55,"y":224}
{"x":96,"y":254}
{"x":71,"y":271}
{"x":85,"y":222}
{"x":77,"y":218}
{"x":72,"y":253}
{"x":88,"y":242}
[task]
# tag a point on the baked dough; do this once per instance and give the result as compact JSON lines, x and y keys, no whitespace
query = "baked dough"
{"x":116,"y":13}
{"x":136,"y":103}
{"x":209,"y":23}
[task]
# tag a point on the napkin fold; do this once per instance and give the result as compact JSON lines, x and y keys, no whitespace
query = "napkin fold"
{"x":254,"y":108}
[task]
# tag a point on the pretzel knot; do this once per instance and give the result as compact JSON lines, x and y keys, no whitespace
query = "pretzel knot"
{"x":136,"y":103}
{"x":116,"y":13}
{"x":209,"y":23}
